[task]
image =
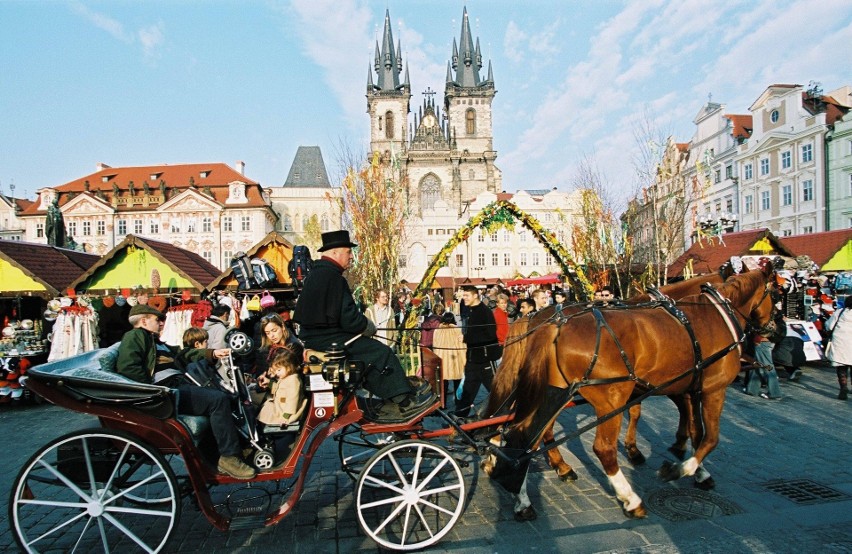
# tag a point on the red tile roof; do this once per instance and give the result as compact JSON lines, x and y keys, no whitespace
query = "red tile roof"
{"x":55,"y":268}
{"x":743,"y":125}
{"x":707,"y":256}
{"x":820,"y":247}
{"x":189,"y":264}
{"x":176,"y":177}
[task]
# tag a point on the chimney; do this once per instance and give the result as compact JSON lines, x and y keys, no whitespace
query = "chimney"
{"x":241,"y":167}
{"x":101,"y":166}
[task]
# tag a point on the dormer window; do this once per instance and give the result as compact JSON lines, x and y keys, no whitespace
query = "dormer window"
{"x":204,"y":174}
{"x":236,"y":193}
{"x":154,"y":176}
{"x":773,"y":116}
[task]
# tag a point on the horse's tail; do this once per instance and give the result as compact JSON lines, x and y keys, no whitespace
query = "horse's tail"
{"x":541,"y":354}
{"x":508,"y":373}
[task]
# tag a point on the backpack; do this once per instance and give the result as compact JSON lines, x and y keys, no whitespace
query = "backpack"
{"x":300,"y":265}
{"x":263,"y":272}
{"x":241,"y":266}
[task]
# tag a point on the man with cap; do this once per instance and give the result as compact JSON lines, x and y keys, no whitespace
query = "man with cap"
{"x":137,"y":360}
{"x":327,"y":314}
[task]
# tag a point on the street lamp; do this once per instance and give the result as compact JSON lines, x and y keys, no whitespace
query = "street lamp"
{"x":724,"y":222}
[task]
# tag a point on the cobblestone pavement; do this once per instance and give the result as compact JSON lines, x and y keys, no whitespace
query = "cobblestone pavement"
{"x":804,"y":436}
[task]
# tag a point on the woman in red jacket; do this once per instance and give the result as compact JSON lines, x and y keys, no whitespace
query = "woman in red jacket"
{"x":501,"y":316}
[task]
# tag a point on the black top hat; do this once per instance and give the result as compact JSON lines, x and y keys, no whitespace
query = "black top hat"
{"x":336,"y":239}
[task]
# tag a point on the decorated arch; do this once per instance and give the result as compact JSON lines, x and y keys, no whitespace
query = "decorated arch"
{"x":505,"y":214}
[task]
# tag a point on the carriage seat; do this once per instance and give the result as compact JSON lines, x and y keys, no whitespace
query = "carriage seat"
{"x":196,"y":425}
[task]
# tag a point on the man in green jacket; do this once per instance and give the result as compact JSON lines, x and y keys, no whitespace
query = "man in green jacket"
{"x":137,"y":360}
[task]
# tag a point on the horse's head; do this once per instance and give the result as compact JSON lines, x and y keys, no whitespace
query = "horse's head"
{"x":750,"y":294}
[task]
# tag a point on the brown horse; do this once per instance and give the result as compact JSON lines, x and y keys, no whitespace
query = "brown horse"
{"x":606,"y":356}
{"x":515,"y":351}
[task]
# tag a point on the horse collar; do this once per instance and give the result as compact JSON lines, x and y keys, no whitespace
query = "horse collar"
{"x":723,"y":306}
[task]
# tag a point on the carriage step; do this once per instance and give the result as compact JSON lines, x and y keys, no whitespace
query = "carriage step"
{"x":250,"y":517}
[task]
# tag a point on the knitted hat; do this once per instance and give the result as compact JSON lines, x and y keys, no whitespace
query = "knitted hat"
{"x":144,"y":309}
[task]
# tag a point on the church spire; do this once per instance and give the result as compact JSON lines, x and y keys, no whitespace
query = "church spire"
{"x":467,"y":58}
{"x":388,"y":62}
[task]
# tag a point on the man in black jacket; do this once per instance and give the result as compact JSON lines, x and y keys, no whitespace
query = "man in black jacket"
{"x":327,"y":313}
{"x":482,"y":349}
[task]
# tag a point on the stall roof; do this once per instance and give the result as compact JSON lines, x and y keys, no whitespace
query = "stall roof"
{"x":831,"y":250}
{"x":708,"y":255}
{"x":47,"y":268}
{"x":190,"y":270}
{"x":274,"y":248}
{"x":549,"y":279}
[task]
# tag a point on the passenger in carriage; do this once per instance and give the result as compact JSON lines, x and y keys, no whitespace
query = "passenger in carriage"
{"x":275,"y":336}
{"x":283,"y":403}
{"x":137,"y":360}
{"x":327,"y":314}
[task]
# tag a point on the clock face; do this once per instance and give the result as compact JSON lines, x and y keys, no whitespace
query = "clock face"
{"x":429,"y":120}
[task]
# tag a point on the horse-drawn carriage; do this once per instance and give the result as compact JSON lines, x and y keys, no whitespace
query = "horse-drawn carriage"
{"x":122,"y":485}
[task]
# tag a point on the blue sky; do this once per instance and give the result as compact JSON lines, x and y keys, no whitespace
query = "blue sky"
{"x":144,"y":83}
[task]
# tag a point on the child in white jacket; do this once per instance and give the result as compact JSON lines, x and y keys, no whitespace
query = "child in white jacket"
{"x":284,"y":402}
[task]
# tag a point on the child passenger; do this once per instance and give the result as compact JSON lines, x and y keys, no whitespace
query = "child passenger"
{"x":283,"y":403}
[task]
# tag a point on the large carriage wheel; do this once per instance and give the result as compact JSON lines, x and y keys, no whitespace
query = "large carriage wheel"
{"x":355,"y":448}
{"x":95,"y":491}
{"x":409,"y":495}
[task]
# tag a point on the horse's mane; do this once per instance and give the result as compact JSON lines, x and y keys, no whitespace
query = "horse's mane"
{"x":739,"y":287}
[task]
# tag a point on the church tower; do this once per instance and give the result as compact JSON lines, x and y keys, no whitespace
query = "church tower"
{"x":388,"y":97}
{"x":467,"y":103}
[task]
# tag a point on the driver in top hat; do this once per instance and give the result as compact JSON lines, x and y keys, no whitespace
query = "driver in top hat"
{"x":327,"y":313}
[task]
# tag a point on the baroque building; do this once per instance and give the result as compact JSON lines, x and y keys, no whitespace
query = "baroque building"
{"x":209,"y":208}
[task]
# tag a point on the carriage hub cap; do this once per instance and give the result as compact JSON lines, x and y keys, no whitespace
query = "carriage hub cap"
{"x":410,"y":495}
{"x":94,"y":508}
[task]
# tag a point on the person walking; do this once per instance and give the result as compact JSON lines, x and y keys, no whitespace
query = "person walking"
{"x":482,"y":350}
{"x":840,"y":346}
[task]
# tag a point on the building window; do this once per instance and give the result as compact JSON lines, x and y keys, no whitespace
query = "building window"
{"x":245,"y":223}
{"x":389,"y":125}
{"x":430,"y":232}
{"x":470,"y":121}
{"x":207,"y":255}
{"x":807,"y":153}
{"x":524,"y":233}
{"x":39,"y":230}
{"x":100,"y":227}
{"x":226,"y":257}
{"x":786,"y":232}
{"x":506,"y":236}
{"x":807,"y":229}
{"x":206,"y":225}
{"x":72,"y":228}
{"x":787,"y":195}
{"x":304,"y":223}
{"x":764,"y":200}
{"x":807,"y":190}
{"x":430,"y":192}
{"x":717,"y":177}
{"x":749,"y":204}
{"x":288,"y":223}
{"x":137,"y":226}
{"x":507,"y":259}
{"x":495,"y":259}
{"x":548,"y":259}
{"x":459,"y":260}
{"x":228,"y":224}
{"x":535,"y":258}
{"x":481,"y":259}
{"x":729,"y":205}
{"x":324,"y":223}
{"x":747,"y":171}
{"x":471,"y":174}
{"x":481,"y":237}
{"x":494,"y":236}
{"x":774,"y":115}
{"x":122,"y":227}
{"x":729,"y":171}
{"x":523,"y":258}
{"x":154,"y":227}
{"x":190,"y":225}
{"x":87,"y":228}
{"x":786,"y":160}
{"x":764,"y":166}
{"x":175,"y":225}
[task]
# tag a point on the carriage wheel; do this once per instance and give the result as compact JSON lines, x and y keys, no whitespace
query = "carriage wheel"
{"x":409,"y":495}
{"x":355,"y":448}
{"x":95,"y":491}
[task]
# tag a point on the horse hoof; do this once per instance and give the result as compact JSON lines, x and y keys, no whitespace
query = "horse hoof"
{"x":638,"y":512}
{"x":570,"y":475}
{"x":669,"y":471}
{"x":636,"y":458}
{"x":678,"y":453}
{"x":706,"y":485}
{"x":527,"y":514}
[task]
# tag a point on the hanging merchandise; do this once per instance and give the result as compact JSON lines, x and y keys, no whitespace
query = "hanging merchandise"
{"x":74,"y":332}
{"x":253,"y":304}
{"x":244,"y":311}
{"x":178,"y":320}
{"x":267,"y":300}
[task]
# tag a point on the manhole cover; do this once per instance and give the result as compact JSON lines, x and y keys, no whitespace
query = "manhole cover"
{"x":685,"y":504}
{"x":804,"y":491}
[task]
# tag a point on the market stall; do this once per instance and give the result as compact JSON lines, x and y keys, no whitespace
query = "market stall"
{"x":30,"y":276}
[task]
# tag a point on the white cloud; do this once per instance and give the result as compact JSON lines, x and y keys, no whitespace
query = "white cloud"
{"x":514,"y":41}
{"x":150,"y":38}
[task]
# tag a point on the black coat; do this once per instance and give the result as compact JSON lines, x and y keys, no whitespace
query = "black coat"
{"x":327,"y":314}
{"x":481,"y":336}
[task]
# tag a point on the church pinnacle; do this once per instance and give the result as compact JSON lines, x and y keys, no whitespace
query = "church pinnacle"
{"x":387,"y":63}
